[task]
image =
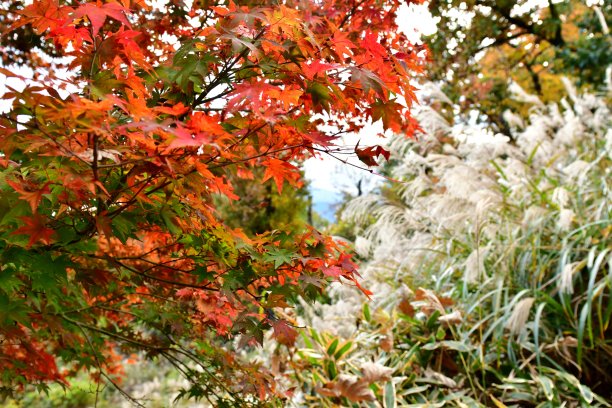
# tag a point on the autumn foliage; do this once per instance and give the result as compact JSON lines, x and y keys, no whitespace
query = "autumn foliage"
{"x":134,"y":118}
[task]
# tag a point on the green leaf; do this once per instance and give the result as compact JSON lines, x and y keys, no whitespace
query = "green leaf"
{"x":585,"y":392}
{"x":278,"y":256}
{"x":343,"y":350}
{"x":389,"y":399}
{"x":547,"y":386}
{"x":124,"y":227}
{"x":320,"y":94}
{"x":13,"y":311}
{"x":536,"y":332}
{"x":168,"y":217}
{"x":415,"y":390}
{"x":366,"y":313}
{"x":450,"y":345}
{"x":8,"y":281}
{"x":201,"y":271}
{"x":332,"y":370}
{"x":332,"y":347}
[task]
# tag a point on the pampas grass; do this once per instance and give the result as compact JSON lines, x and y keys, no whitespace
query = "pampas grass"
{"x":490,"y":265}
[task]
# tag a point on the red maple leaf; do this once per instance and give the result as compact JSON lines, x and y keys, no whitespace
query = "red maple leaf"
{"x":370,"y":43}
{"x":249,"y":93}
{"x":316,"y":67}
{"x":367,"y":154}
{"x":284,"y":333}
{"x":35,"y":227}
{"x":320,"y":138}
{"x":184,"y":137}
{"x":96,"y":14}
{"x":333,"y":271}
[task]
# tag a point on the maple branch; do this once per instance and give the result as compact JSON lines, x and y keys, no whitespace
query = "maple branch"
{"x":140,"y":256}
{"x":345,"y":161}
{"x":132,"y":199}
{"x":163,"y":350}
{"x":82,"y":309}
{"x":164,"y":265}
{"x":189,"y":373}
{"x":123,"y":180}
{"x":194,"y":358}
{"x":113,"y":298}
{"x":505,"y":11}
{"x":223,"y":73}
{"x":102,"y":373}
{"x":212,"y":98}
{"x":502,"y":40}
{"x":112,"y":309}
{"x":210,"y":160}
{"x":350,"y":14}
{"x":153,"y":295}
{"x":240,"y":140}
{"x":112,"y":335}
{"x":121,"y":390}
{"x":47,"y":135}
{"x":94,"y":167}
{"x":266,"y":153}
{"x":155,"y":278}
{"x":121,"y":164}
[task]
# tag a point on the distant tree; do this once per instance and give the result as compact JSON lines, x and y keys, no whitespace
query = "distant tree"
{"x":481,"y":45}
{"x":262,"y":208}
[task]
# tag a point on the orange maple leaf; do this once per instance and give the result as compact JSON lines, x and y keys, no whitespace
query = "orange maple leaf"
{"x":370,"y":43}
{"x":43,"y":15}
{"x":174,"y":110}
{"x":389,"y":112}
{"x":281,"y":171}
{"x":341,"y":44}
{"x":33,"y":197}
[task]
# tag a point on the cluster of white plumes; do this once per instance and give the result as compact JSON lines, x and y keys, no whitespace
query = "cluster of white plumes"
{"x":458,"y":183}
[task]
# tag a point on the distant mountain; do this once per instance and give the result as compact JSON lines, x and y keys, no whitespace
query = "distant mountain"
{"x":324,"y":202}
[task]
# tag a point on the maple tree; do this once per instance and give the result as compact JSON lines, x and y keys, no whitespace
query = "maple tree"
{"x":133,"y":120}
